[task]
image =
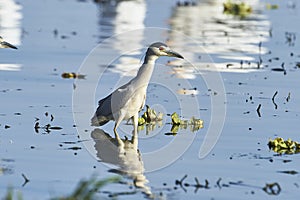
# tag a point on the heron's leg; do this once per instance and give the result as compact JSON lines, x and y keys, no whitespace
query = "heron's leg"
{"x":116,"y":133}
{"x":135,"y":120}
{"x":118,"y":121}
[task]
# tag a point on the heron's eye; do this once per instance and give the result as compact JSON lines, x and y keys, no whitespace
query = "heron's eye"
{"x":161,"y":48}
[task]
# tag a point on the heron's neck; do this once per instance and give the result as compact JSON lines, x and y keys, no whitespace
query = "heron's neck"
{"x":145,"y":72}
{"x":150,"y":59}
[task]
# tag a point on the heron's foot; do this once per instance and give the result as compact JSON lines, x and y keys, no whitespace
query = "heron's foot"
{"x":117,"y":136}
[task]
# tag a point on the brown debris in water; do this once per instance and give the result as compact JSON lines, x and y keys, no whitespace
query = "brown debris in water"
{"x":73,"y":75}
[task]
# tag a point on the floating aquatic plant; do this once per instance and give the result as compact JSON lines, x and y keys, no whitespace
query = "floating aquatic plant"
{"x":272,"y":6}
{"x":194,"y":123}
{"x":241,"y":10}
{"x":151,"y":119}
{"x":281,"y":146}
{"x":150,"y":116}
{"x":176,"y":119}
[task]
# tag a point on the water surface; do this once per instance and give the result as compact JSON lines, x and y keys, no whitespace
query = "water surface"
{"x":240,"y":164}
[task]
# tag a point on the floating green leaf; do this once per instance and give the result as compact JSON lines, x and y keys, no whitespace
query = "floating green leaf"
{"x":150,"y":116}
{"x":141,"y":121}
{"x":175,"y":128}
{"x":198,"y":122}
{"x":193,"y":123}
{"x":281,"y":146}
{"x":175,"y":119}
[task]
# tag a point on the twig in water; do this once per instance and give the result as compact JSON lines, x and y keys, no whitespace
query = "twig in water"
{"x":284,"y":70}
{"x":269,"y":188}
{"x":206,"y":184}
{"x":288,"y":97}
{"x":272,"y":188}
{"x":273,"y":99}
{"x":219,"y":183}
{"x":258,"y":110}
{"x":26,"y":180}
{"x":179,"y":182}
{"x":197,"y":185}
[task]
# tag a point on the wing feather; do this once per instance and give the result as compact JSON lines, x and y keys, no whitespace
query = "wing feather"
{"x":110,"y":104}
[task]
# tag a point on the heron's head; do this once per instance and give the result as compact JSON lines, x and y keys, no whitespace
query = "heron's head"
{"x":161,"y":49}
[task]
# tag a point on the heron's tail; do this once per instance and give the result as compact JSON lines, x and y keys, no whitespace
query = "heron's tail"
{"x":98,"y":121}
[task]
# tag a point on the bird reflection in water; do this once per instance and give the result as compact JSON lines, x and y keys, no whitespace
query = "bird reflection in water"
{"x":124,"y":154}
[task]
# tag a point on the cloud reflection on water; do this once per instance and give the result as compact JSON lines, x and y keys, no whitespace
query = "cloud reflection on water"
{"x":225,"y":38}
{"x":117,"y":18}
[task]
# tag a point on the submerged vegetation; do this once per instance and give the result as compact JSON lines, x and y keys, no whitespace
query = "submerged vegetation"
{"x":86,"y":189}
{"x":10,"y":195}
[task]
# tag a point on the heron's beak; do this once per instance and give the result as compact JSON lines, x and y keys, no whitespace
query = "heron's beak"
{"x":8,"y":45}
{"x":174,"y":54}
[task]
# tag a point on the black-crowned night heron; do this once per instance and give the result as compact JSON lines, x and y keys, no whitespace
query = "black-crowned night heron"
{"x":4,"y":44}
{"x":125,"y":102}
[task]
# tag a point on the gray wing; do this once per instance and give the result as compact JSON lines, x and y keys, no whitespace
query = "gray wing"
{"x":110,"y":104}
{"x":103,"y":113}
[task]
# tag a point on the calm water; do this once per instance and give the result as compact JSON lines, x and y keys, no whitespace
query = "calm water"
{"x":228,"y":69}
